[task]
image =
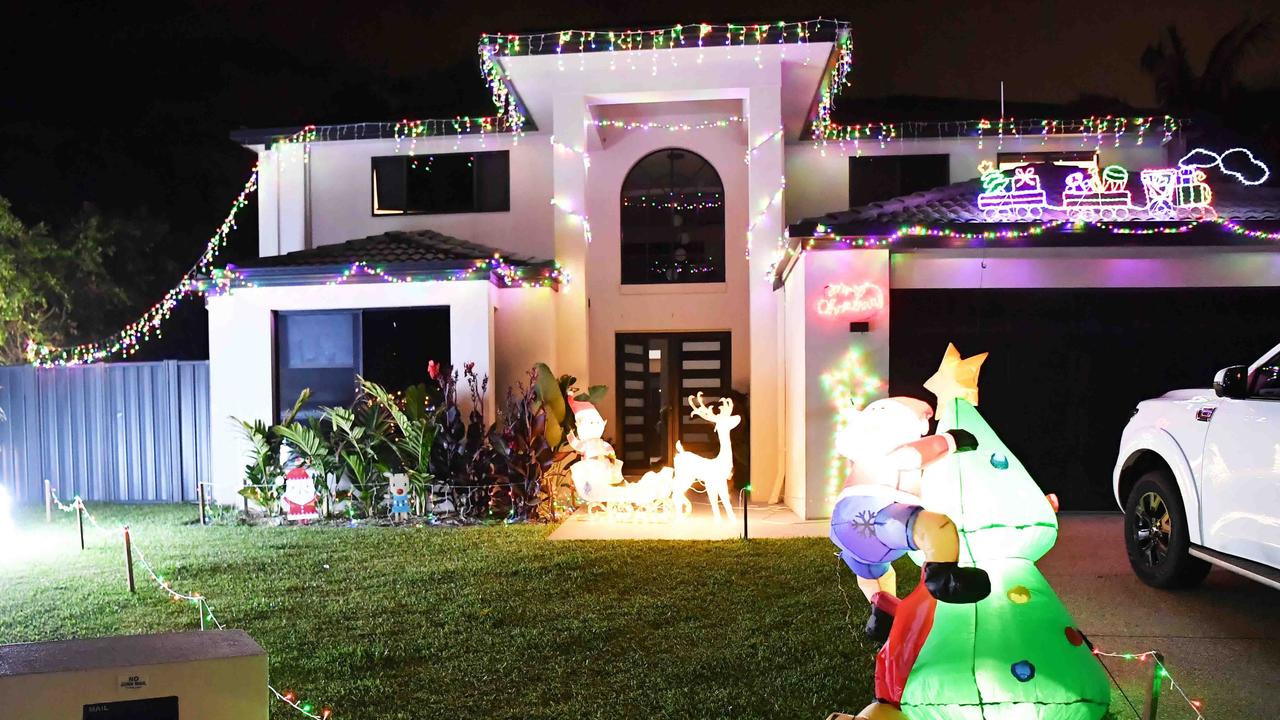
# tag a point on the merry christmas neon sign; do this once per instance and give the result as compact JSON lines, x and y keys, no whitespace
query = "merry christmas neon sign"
{"x":1177,"y":193}
{"x":855,"y":302}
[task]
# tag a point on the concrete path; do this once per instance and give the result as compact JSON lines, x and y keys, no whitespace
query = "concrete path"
{"x":763,"y":521}
{"x":1221,"y":640}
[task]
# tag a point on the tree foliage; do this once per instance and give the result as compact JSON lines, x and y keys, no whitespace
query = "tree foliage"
{"x":75,"y":282}
{"x":1179,"y":89}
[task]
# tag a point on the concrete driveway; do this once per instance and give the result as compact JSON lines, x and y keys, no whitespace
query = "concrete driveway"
{"x":1221,"y":641}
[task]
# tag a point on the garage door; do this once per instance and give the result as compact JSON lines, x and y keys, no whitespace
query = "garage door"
{"x":1067,"y":366}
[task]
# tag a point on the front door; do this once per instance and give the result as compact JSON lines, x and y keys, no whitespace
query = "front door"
{"x":657,"y":372}
{"x":1241,"y":491}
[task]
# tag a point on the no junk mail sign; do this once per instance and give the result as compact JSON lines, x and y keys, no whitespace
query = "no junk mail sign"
{"x":215,"y":675}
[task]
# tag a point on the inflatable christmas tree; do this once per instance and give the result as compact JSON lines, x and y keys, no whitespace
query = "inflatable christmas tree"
{"x":1017,"y":654}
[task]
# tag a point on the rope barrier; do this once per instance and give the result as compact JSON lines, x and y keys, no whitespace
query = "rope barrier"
{"x":202,"y":604}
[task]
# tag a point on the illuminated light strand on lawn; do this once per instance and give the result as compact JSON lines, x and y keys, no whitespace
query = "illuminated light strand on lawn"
{"x":1162,"y":673}
{"x":201,"y":603}
{"x":848,"y":385}
{"x":667,"y":127}
{"x":763,"y":214}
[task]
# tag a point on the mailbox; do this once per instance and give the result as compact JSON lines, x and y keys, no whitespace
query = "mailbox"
{"x":216,"y":675}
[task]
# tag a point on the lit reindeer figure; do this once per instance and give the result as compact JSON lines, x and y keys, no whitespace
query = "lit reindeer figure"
{"x":713,"y":473}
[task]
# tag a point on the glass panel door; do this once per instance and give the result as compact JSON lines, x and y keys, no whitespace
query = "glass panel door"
{"x":657,"y":372}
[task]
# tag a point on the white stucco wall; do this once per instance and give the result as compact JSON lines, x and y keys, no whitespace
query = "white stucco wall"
{"x":819,"y":347}
{"x":328,"y":199}
{"x":701,"y":307}
{"x":241,"y":356}
{"x":818,"y":175}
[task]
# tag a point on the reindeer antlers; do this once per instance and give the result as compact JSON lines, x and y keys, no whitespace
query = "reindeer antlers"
{"x":700,"y":409}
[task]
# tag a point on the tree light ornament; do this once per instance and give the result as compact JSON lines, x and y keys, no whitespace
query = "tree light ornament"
{"x":849,"y":386}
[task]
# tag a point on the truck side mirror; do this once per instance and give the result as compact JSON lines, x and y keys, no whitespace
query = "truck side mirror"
{"x":1231,"y":382}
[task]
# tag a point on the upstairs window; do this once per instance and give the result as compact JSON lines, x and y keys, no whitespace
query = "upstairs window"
{"x":875,"y":178}
{"x":672,"y":220}
{"x":444,"y":183}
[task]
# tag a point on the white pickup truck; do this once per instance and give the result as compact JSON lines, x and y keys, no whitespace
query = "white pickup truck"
{"x":1198,"y":477}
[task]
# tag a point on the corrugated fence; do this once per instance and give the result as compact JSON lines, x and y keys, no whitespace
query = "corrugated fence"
{"x":118,"y":432}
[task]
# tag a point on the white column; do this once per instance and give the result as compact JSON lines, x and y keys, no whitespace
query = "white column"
{"x":569,"y":186}
{"x":268,"y":203}
{"x":291,"y":197}
{"x":766,"y":216}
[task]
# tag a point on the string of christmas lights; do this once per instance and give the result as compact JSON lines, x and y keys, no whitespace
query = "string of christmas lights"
{"x":1093,"y":128}
{"x":667,"y":127}
{"x":126,"y":342}
{"x":205,"y":611}
{"x":848,"y":385}
{"x":1162,"y":674}
{"x":764,"y":212}
{"x":564,"y":206}
{"x":1014,"y":233}
{"x":512,"y":276}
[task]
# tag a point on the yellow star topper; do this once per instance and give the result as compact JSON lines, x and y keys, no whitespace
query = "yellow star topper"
{"x":956,"y":378}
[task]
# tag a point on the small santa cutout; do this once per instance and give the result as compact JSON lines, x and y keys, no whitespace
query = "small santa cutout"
{"x":299,"y":495}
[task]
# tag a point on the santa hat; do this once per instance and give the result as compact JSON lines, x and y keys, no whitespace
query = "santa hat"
{"x":297,"y":473}
{"x":582,"y":408}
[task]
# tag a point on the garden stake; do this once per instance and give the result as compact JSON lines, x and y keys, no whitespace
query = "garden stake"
{"x":200,"y":609}
{"x":1153,"y":690}
{"x":742,"y":498}
{"x":128,"y":560}
{"x":200,"y":501}
{"x":48,"y":501}
{"x":80,"y":520}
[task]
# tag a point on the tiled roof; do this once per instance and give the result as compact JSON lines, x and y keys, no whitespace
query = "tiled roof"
{"x":391,"y":248}
{"x":958,"y":203}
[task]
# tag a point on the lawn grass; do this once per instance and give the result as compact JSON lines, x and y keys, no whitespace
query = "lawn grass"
{"x":474,"y":622}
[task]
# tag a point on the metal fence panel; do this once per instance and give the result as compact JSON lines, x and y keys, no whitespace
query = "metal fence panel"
{"x":120,"y":432}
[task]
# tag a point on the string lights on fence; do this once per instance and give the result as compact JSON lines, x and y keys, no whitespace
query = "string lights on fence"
{"x":205,"y":611}
{"x":1161,"y":674}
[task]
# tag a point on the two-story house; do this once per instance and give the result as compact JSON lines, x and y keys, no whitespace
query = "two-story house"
{"x":625,"y":218}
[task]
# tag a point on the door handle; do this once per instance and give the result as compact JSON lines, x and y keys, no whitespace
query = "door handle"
{"x":1204,"y":414}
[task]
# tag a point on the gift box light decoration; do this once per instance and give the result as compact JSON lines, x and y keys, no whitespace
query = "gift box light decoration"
{"x":1178,"y":193}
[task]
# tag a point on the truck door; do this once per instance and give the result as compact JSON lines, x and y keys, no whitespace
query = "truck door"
{"x":1241,"y":470}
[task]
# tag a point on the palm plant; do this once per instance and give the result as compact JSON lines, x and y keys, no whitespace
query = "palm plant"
{"x":356,"y":436}
{"x":416,"y":428}
{"x":264,"y":476}
{"x":1179,"y":89}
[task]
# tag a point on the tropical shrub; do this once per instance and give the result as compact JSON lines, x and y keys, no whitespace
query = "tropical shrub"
{"x":264,"y":475}
{"x":414,"y":430}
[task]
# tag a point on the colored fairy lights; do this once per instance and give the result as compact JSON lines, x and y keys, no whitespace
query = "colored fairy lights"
{"x":493,"y":47}
{"x":763,"y":214}
{"x":510,"y":275}
{"x":667,"y":127}
{"x":207,"y":618}
{"x":126,"y":342}
{"x":849,"y":386}
{"x":1095,"y":130}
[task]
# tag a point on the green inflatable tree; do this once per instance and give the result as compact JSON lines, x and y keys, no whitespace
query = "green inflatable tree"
{"x":1017,"y":654}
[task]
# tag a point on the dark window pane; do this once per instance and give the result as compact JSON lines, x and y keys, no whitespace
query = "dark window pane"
{"x":879,"y":178}
{"x":388,"y":184}
{"x":319,"y":351}
{"x":443,"y":183}
{"x":672,"y":220}
{"x":398,"y":343}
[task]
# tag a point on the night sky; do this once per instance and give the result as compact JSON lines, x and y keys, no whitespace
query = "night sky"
{"x":129,"y":107}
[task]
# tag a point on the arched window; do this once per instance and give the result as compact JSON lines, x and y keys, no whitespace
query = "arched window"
{"x":672,"y":220}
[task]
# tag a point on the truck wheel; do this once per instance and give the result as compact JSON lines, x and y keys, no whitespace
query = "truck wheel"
{"x":1156,"y":535}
